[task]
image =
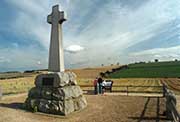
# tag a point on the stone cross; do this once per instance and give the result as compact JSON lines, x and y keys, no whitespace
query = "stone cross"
{"x":56,"y":53}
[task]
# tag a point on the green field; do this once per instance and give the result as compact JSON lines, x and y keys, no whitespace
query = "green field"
{"x":169,"y":69}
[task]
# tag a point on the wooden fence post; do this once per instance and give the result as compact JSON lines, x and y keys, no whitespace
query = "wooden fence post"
{"x":127,"y":90}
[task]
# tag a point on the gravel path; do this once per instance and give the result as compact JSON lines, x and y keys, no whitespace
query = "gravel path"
{"x":106,"y":108}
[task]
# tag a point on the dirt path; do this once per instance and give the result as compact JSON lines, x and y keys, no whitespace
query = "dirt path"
{"x":100,"y":109}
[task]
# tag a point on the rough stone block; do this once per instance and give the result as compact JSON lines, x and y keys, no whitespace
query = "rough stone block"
{"x":31,"y":103}
{"x":80,"y":103}
{"x":44,"y":105}
{"x":56,"y":93}
{"x":53,"y":107}
{"x":34,"y":92}
{"x":46,"y":93}
{"x":72,"y":78}
{"x":67,"y":92}
{"x":37,"y":93}
{"x":68,"y":106}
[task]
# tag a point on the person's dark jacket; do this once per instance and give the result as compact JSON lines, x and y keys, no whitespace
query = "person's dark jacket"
{"x":100,"y":80}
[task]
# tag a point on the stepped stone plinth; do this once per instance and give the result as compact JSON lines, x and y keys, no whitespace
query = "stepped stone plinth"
{"x":56,"y":93}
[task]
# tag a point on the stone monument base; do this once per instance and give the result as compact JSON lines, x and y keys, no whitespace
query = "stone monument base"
{"x":56,"y":93}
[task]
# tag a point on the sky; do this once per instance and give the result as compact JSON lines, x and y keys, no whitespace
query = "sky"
{"x":96,"y":32}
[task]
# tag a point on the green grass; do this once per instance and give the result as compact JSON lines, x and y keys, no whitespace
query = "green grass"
{"x":15,"y":75}
{"x":149,"y":70}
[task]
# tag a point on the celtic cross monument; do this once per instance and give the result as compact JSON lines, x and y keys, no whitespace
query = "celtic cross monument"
{"x":56,"y":53}
{"x":56,"y":92}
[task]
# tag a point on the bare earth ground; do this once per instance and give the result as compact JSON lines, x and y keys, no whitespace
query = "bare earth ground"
{"x":109,"y":108}
{"x":101,"y":108}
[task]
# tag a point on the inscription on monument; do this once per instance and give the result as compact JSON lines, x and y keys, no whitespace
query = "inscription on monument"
{"x":47,"y":81}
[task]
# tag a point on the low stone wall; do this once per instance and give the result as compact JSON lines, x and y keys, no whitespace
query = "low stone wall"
{"x":59,"y":99}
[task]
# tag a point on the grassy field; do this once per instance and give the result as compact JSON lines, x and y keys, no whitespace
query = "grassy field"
{"x":149,"y":70}
{"x":88,"y":73}
{"x":86,"y":77}
{"x":133,"y":84}
{"x":17,"y":85}
{"x":12,"y":75}
{"x":13,"y":83}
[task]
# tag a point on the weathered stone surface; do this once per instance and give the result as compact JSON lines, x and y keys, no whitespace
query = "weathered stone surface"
{"x":31,"y":103}
{"x":56,"y":107}
{"x":62,"y":107}
{"x":51,"y":106}
{"x":80,"y":103}
{"x":67,"y":92}
{"x":63,"y":93}
{"x":58,"y":79}
{"x":72,"y":78}
{"x":68,"y":106}
{"x":34,"y":92}
{"x":46,"y":93}
{"x":44,"y":105}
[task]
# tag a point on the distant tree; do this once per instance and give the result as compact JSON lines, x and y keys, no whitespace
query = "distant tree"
{"x":107,"y":72}
{"x":112,"y":64}
{"x":102,"y":74}
{"x":156,"y":60}
{"x":113,"y":70}
{"x":141,"y":62}
{"x":102,"y":65}
{"x":117,"y":63}
{"x":175,"y":60}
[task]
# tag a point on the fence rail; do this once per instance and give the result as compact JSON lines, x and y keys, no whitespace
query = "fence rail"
{"x":171,"y":110}
{"x":128,"y":89}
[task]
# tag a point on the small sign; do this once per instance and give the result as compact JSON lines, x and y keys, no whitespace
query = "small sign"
{"x":48,"y":81}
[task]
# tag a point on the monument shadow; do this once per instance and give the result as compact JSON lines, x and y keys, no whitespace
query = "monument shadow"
{"x":159,"y":117}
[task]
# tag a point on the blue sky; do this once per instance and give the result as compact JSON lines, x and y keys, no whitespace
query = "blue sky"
{"x":96,"y":32}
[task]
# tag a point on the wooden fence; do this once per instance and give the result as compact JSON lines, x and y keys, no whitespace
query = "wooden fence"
{"x":171,"y":110}
{"x":129,"y":89}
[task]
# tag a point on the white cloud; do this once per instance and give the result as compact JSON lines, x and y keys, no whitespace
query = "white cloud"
{"x":169,"y":53}
{"x":4,"y":60}
{"x":74,"y":48}
{"x":39,"y":62}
